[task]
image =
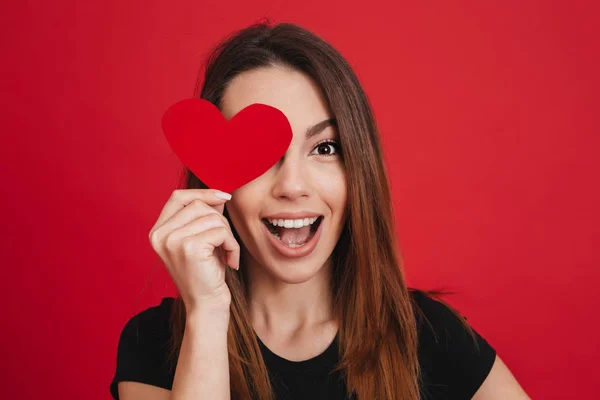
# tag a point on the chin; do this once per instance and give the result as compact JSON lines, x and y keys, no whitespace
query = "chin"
{"x":292,"y":274}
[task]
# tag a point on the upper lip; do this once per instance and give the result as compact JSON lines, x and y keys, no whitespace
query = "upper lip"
{"x":296,"y":215}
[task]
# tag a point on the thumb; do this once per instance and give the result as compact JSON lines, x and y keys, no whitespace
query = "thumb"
{"x":219,"y":207}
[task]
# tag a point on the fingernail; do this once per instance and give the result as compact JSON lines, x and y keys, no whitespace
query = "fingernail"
{"x":223,"y":195}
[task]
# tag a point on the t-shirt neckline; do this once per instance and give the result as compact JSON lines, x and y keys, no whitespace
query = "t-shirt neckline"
{"x":320,"y":361}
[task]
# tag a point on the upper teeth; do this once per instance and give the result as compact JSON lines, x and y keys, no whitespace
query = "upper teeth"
{"x":293,"y":223}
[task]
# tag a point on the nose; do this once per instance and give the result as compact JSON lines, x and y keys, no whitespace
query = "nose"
{"x":292,"y":180}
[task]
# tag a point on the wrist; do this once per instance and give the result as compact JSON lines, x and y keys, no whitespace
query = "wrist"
{"x":209,"y":312}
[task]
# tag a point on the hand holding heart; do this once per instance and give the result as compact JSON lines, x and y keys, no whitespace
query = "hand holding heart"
{"x":226,"y":155}
{"x":191,"y":236}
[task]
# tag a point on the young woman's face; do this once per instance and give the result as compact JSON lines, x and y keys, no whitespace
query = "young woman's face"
{"x":309,"y":180}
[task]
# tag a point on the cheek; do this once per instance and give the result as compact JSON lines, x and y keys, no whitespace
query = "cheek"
{"x":333,"y":188}
{"x":252,"y":190}
{"x":236,"y":212}
{"x":238,"y":222}
{"x":241,"y":207}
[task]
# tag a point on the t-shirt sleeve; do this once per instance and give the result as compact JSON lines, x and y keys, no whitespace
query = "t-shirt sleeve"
{"x":142,"y":347}
{"x":459,"y":362}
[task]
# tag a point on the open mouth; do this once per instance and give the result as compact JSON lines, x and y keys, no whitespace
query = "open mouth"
{"x":276,"y":231}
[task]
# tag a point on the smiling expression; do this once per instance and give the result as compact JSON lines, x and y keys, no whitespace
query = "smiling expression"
{"x":309,"y":179}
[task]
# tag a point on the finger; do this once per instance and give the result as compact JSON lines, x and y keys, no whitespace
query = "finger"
{"x":198,"y":225}
{"x":219,"y":207}
{"x":181,"y":198}
{"x":195,"y":211}
{"x":223,"y":238}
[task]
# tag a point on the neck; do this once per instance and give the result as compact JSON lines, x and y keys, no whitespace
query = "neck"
{"x":284,"y":308}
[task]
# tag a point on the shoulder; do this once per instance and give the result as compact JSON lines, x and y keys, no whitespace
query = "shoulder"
{"x":434,"y":317}
{"x":454,"y":357}
{"x":442,"y":323}
{"x":152,"y":322}
{"x":143,"y":344}
{"x":148,"y":330}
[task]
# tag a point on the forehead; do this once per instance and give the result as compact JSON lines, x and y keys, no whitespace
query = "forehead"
{"x":292,"y":92}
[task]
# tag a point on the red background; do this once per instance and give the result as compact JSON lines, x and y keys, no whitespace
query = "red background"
{"x":489,"y":118}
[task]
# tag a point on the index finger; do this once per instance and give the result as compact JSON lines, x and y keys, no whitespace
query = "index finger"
{"x":182,"y":197}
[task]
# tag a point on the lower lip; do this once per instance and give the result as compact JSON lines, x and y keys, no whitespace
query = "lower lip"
{"x":306,"y":249}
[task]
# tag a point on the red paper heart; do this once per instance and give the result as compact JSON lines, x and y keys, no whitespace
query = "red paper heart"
{"x":226,"y":155}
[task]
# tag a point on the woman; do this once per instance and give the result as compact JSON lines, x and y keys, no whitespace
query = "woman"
{"x":315,"y":304}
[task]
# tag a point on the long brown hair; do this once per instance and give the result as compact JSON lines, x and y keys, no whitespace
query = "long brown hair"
{"x":378,"y":329}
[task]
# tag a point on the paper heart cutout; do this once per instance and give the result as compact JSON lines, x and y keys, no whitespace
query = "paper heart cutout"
{"x":223,"y":154}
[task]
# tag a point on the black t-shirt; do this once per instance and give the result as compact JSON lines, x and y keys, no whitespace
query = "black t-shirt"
{"x":452,"y":367}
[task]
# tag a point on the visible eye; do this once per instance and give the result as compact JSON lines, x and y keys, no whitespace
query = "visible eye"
{"x":326,"y":145}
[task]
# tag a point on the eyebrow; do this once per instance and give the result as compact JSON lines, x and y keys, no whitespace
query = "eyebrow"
{"x":320,"y":127}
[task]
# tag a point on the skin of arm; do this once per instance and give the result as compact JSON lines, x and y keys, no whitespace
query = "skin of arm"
{"x":203,"y":365}
{"x":500,"y":384}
